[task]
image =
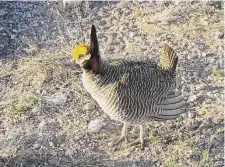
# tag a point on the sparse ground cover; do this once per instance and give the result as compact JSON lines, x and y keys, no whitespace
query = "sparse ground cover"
{"x":43,"y":114}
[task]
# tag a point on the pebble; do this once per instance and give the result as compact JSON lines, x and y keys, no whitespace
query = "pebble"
{"x":110,"y":144}
{"x":188,"y":57}
{"x":51,"y":144}
{"x":37,"y":146}
{"x":184,"y":115}
{"x":58,"y":98}
{"x":204,"y":54}
{"x":196,"y":74}
{"x":199,"y":87}
{"x":35,"y":109}
{"x":68,"y":152}
{"x":29,"y":15}
{"x":42,"y":124}
{"x":146,"y":148}
{"x":13,"y":36}
{"x":192,"y":98}
{"x":176,"y":3}
{"x":131,"y":34}
{"x":195,"y":126}
{"x":191,"y":115}
{"x":89,"y":107}
{"x":221,"y":63}
{"x":95,"y":125}
{"x":209,"y":93}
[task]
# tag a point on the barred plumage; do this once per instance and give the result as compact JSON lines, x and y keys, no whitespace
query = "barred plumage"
{"x":133,"y":92}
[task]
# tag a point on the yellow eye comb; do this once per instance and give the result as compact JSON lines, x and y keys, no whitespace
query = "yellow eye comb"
{"x":81,"y":49}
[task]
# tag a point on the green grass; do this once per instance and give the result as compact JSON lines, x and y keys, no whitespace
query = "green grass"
{"x":219,"y":128}
{"x":23,"y":105}
{"x":205,"y":157}
{"x":153,"y":139}
{"x":16,"y":111}
{"x":172,"y":164}
{"x":217,"y":77}
{"x":218,"y":73}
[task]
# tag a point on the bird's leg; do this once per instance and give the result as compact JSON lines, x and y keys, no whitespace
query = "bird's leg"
{"x":142,"y":135}
{"x":123,"y":136}
{"x":141,"y":139}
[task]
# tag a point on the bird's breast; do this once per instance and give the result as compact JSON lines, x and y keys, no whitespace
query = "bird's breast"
{"x":104,"y":94}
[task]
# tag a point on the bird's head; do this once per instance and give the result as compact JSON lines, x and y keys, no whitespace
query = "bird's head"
{"x":87,"y":56}
{"x":81,"y":54}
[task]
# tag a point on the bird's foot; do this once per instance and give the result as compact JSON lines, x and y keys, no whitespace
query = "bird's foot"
{"x":136,"y":142}
{"x":122,"y":138}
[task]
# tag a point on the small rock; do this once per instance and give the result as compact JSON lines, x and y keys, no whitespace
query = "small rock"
{"x":204,"y":54}
{"x":110,"y":144}
{"x":196,"y":74}
{"x":184,"y":115}
{"x":35,"y":109}
{"x":15,"y":31}
{"x":188,"y":57}
{"x":209,"y":78}
{"x":209,"y":93}
{"x":191,"y":115}
{"x":51,"y":144}
{"x":176,"y":3}
{"x":58,"y":98}
{"x":68,"y":152}
{"x":89,"y":107}
{"x":195,"y":126}
{"x":221,"y":63}
{"x":146,"y":149}
{"x":29,"y":15}
{"x":42,"y":124}
{"x":12,"y":36}
{"x":131,"y":34}
{"x":192,"y":98}
{"x":37,"y":146}
{"x":95,"y":125}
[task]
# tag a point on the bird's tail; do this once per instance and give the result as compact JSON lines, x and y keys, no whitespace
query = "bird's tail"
{"x":168,"y":59}
{"x":171,"y":108}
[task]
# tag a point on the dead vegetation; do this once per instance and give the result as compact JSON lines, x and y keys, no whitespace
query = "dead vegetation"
{"x":33,"y":132}
{"x":182,"y":24}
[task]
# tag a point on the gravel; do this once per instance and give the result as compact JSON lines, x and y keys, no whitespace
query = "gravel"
{"x":57,"y":98}
{"x":89,"y":107}
{"x":95,"y":125}
{"x":44,"y":109}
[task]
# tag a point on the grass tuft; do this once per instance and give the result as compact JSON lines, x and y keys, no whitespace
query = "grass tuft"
{"x":205,"y":157}
{"x":153,"y":139}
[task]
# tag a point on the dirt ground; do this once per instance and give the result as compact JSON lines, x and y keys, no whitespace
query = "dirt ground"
{"x":44,"y":116}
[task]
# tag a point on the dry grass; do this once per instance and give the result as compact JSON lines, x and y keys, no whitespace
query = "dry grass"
{"x":205,"y":111}
{"x":29,"y":79}
{"x":183,"y":25}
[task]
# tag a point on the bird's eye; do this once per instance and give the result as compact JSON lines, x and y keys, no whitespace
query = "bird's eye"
{"x":81,"y":55}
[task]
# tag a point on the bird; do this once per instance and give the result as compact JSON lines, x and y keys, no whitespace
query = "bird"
{"x":133,"y":92}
